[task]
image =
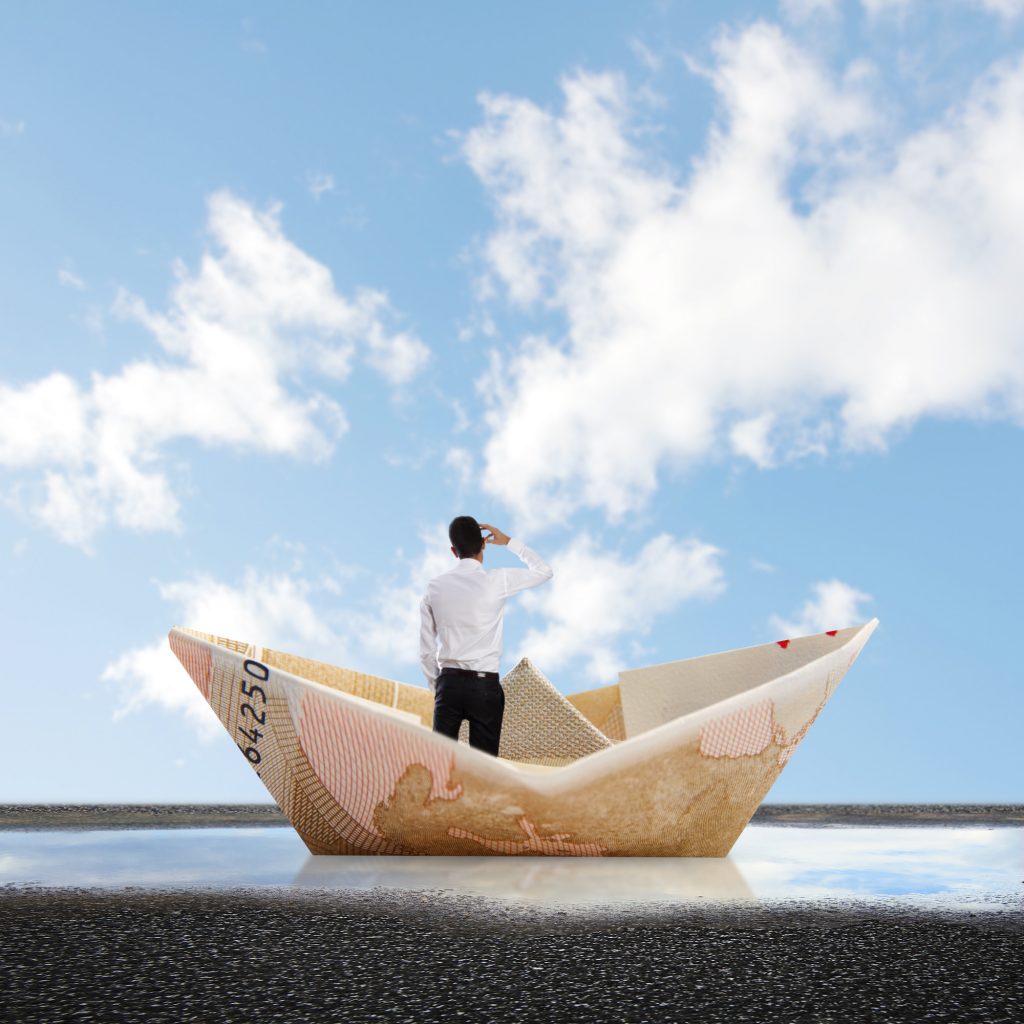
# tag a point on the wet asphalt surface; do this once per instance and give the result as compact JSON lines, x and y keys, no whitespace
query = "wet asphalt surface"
{"x":138,"y":955}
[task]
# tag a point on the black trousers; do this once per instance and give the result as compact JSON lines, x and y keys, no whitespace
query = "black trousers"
{"x":478,"y":696}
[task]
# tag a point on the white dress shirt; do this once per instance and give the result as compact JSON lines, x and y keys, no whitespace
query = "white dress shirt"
{"x":462,"y":612}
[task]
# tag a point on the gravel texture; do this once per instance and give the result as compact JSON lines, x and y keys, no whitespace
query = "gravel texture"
{"x":93,"y":816}
{"x":889,"y":814}
{"x":243,"y":955}
{"x":22,"y":817}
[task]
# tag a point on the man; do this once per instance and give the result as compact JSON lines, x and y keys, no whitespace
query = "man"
{"x":462,"y":611}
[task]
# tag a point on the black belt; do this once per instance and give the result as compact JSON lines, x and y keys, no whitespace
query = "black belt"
{"x":469,"y":673}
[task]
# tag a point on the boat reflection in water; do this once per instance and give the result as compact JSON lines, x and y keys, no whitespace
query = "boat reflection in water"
{"x":579,"y":881}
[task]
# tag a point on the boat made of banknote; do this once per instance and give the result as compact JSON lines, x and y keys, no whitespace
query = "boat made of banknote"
{"x":671,"y":761}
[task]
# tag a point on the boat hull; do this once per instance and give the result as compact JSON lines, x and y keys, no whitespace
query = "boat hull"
{"x":355,"y":777}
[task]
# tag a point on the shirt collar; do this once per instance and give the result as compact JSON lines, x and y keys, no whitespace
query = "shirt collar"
{"x":468,"y":565}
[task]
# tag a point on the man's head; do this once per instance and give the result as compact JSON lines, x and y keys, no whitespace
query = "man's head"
{"x":466,"y":537}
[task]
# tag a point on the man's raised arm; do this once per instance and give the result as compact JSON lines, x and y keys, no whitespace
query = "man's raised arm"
{"x":538,"y":571}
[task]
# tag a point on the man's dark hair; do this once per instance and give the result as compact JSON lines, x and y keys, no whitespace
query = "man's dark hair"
{"x":466,"y":536}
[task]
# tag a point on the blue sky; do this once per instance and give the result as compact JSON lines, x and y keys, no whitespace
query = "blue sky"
{"x":716,"y":306}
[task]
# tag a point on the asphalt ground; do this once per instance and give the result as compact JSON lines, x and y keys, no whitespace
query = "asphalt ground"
{"x":242,"y":955}
{"x":140,"y":954}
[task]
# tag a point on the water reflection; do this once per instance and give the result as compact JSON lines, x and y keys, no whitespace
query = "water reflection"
{"x":940,"y":867}
{"x":577,"y":880}
{"x":972,"y":868}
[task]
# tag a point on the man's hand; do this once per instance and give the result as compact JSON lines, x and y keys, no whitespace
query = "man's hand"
{"x":496,"y":537}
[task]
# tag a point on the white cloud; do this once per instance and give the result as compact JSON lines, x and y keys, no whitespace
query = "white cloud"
{"x":835,"y":605}
{"x":599,"y":600}
{"x":712,"y":311}
{"x":42,"y":422}
{"x":11,"y":127}
{"x":243,"y":342}
{"x":397,"y":357}
{"x":319,"y":182}
{"x":750,"y":438}
{"x":69,"y":279}
{"x":272,"y":610}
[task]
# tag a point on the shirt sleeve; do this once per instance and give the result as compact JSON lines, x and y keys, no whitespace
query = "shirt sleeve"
{"x":428,"y":643}
{"x":538,"y":571}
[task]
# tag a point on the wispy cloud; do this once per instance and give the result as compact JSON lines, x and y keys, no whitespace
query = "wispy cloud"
{"x":319,"y":182}
{"x":1006,"y":9}
{"x":720,"y":311}
{"x":243,"y":346}
{"x":651,"y":59}
{"x":804,"y":10}
{"x":835,"y":605}
{"x":8,"y":128}
{"x":250,"y":42}
{"x":70,"y":279}
{"x":460,"y":462}
{"x":876,"y":8}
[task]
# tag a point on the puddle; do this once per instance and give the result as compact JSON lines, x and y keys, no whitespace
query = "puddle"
{"x":928,"y":868}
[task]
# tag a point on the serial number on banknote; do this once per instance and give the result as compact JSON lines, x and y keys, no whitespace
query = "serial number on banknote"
{"x":252,"y":712}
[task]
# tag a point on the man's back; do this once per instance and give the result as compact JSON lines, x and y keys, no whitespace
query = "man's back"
{"x":462,"y":612}
{"x":461,"y":622}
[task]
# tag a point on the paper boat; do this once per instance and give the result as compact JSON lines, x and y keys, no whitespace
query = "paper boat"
{"x":670,"y":762}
